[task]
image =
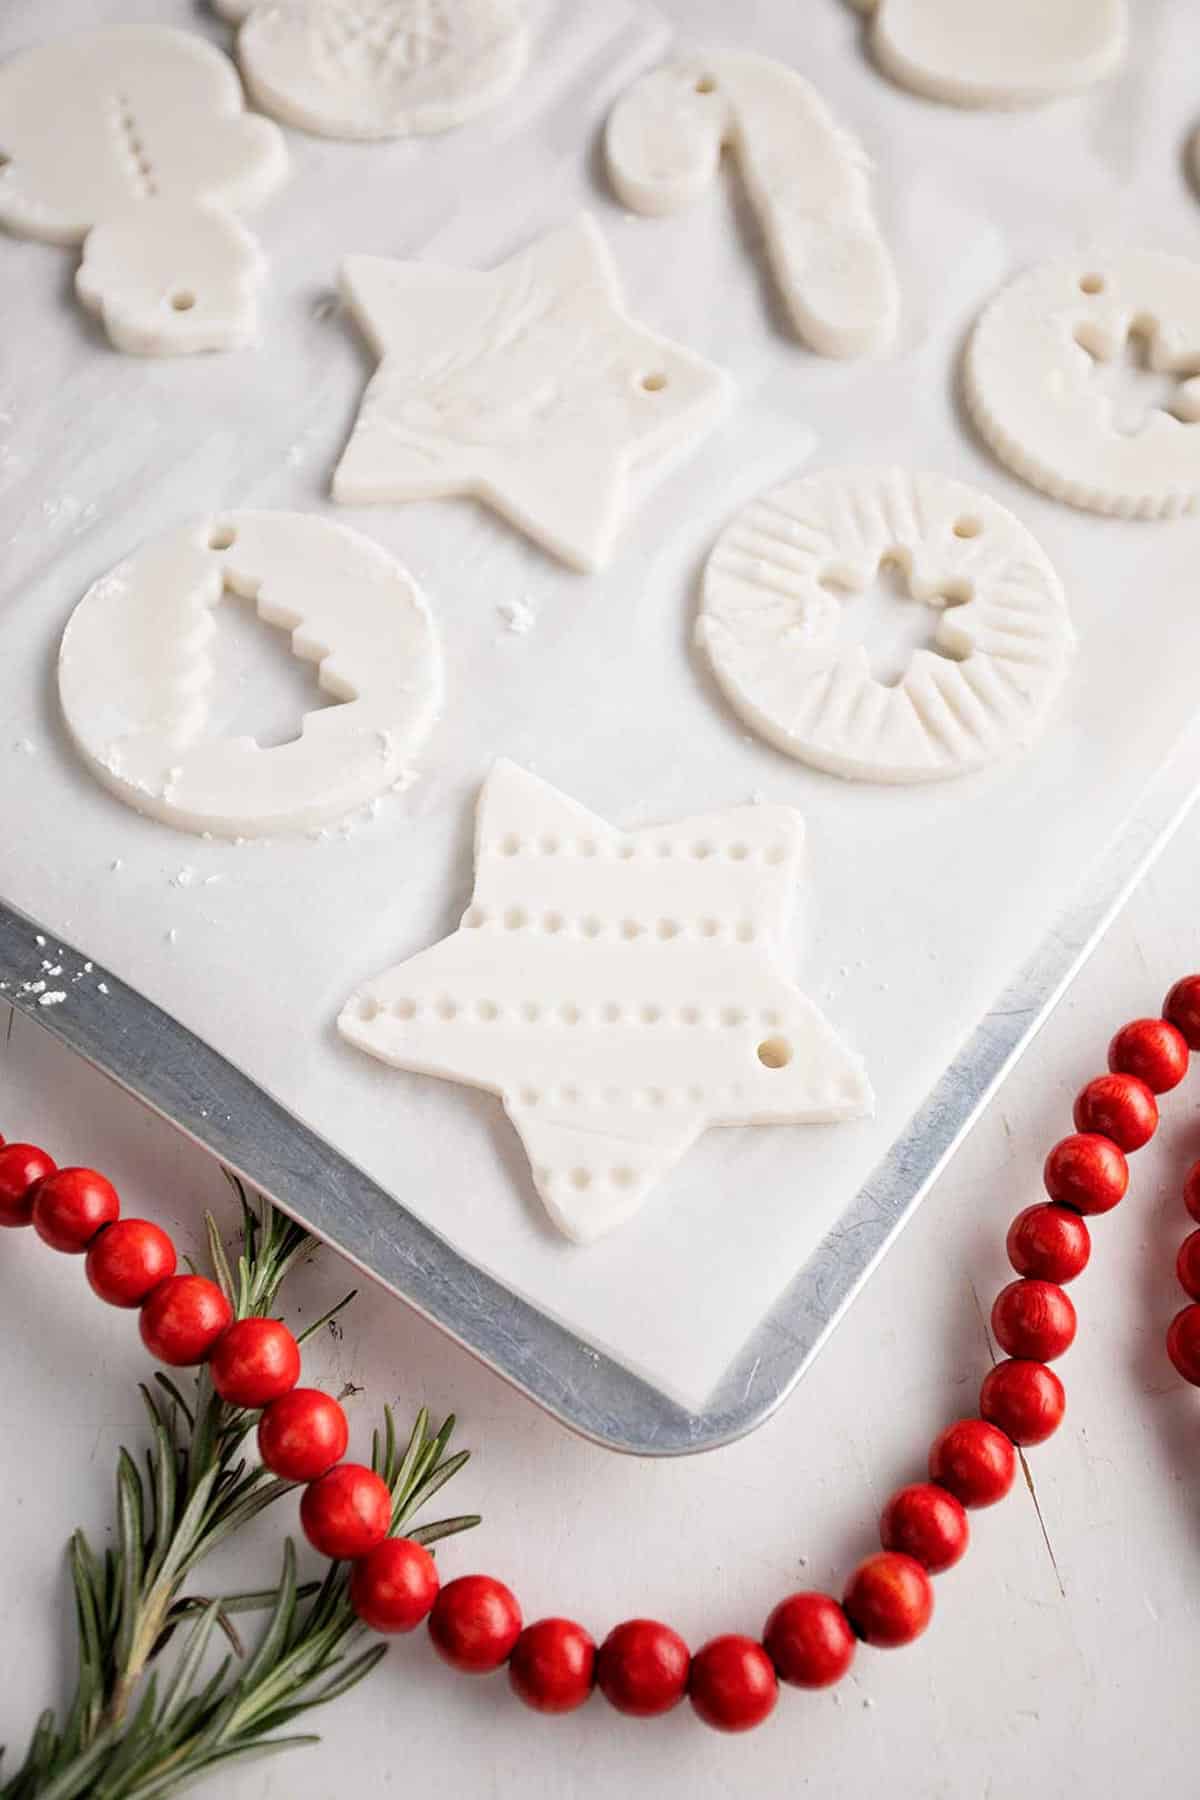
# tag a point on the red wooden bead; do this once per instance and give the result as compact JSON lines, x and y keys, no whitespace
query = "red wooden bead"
{"x":1182,"y":1007}
{"x":642,"y":1668}
{"x":183,"y":1318}
{"x":928,"y":1524}
{"x":889,"y":1600}
{"x":1050,"y":1243}
{"x":1183,"y":1343}
{"x":732,"y":1685}
{"x":809,"y":1640}
{"x":71,"y":1206}
{"x":346,"y":1511}
{"x":393,"y":1587}
{"x":1034,"y":1319}
{"x":1026,"y":1400}
{"x":22,"y":1166}
{"x":474,"y":1624}
{"x":553,"y":1665}
{"x":255,"y":1362}
{"x":1191,"y":1191}
{"x":1153,"y":1050}
{"x":1119,"y":1107}
{"x":302,"y":1434}
{"x":128,"y":1260}
{"x":974,"y":1461}
{"x":1187,"y":1265}
{"x":1086,"y":1172}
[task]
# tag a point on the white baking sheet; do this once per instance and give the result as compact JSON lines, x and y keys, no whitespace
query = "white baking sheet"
{"x":918,"y":903}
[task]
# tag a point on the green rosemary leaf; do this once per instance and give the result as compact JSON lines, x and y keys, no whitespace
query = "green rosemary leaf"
{"x":408,"y":1462}
{"x":189,"y":1662}
{"x":429,"y":1487}
{"x":219,"y":1260}
{"x":280,"y":1622}
{"x":164,"y":1381}
{"x":444,"y":1528}
{"x":302,"y":1337}
{"x":130,"y":1530}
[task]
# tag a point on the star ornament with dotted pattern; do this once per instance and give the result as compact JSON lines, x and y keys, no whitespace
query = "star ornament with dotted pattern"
{"x":620,"y":991}
{"x":526,"y":387}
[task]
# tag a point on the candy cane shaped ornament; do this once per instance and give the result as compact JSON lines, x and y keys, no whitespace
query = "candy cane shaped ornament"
{"x":806,"y":177}
{"x":134,"y":142}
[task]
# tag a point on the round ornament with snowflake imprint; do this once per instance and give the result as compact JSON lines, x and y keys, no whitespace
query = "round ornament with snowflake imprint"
{"x":1040,"y":384}
{"x":379,"y":68}
{"x":779,"y":584}
{"x":136,"y":674}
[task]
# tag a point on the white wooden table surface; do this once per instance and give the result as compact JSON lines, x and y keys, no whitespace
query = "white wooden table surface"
{"x":1065,"y":1651}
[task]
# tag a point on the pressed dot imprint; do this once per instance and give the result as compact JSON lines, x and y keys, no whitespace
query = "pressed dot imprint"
{"x":710,"y":928}
{"x":613,"y":1014}
{"x":696,"y":1095}
{"x":368,"y":1007}
{"x":630,"y":928}
{"x":771,"y":1017}
{"x":654,"y":383}
{"x":221,"y":537}
{"x":530,"y":1096}
{"x":531,"y":1011}
{"x":775,"y":854}
{"x":473,"y":918}
{"x":515,"y":918}
{"x":623,"y":1177}
{"x":774,"y":1053}
{"x":581,"y":1178}
{"x":745,"y":932}
{"x":656,"y":1096}
{"x":738,"y":852}
{"x":702,"y":850}
{"x":587,"y":846}
{"x":591,"y":927}
{"x":511,"y":845}
{"x":447,"y":1009}
{"x":553,"y":922}
{"x":487,"y":1010}
{"x":650,"y":1015}
{"x":667,"y":929}
{"x":570,"y":1095}
{"x":1091,"y":284}
{"x":405,"y":1009}
{"x":549,"y":846}
{"x":666,"y":847}
{"x":690,"y":1015}
{"x":570,"y":1013}
{"x":627,"y":851}
{"x":732,"y":1015}
{"x":967,"y":527}
{"x":612,"y":1096}
{"x":183,"y":300}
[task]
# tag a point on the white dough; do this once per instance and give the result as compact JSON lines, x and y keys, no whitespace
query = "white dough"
{"x":997,"y":52}
{"x":527,"y":387}
{"x":770,"y":623}
{"x":1032,"y":378}
{"x":381,"y":68}
{"x":135,"y":674}
{"x":134,"y":141}
{"x":806,"y":177}
{"x":620,"y":991}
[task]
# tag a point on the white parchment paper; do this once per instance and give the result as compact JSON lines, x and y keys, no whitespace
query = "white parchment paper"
{"x":917,"y":903}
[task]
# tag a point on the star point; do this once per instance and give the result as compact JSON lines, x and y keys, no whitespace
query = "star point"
{"x":619,"y":991}
{"x":526,"y":386}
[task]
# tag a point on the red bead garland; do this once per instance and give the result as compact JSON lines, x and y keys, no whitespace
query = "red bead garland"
{"x":71,"y":1206}
{"x":1119,"y":1107}
{"x":1087,"y":1172}
{"x":126,"y":1262}
{"x":889,"y":1600}
{"x":474,"y":1624}
{"x":643,"y":1668}
{"x":1049,"y":1242}
{"x":927,"y":1523}
{"x":974,"y":1462}
{"x":732,"y":1686}
{"x":1034,"y":1319}
{"x":1026,"y":1400}
{"x":810,"y":1640}
{"x":553,"y":1665}
{"x":22,"y":1166}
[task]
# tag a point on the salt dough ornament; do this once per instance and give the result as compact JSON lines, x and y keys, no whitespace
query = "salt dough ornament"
{"x":528,"y":387}
{"x":620,"y":991}
{"x":1034,"y":381}
{"x":379,"y":68}
{"x":135,"y":674}
{"x":997,"y":52}
{"x":806,"y":177}
{"x":133,"y":141}
{"x":770,"y":623}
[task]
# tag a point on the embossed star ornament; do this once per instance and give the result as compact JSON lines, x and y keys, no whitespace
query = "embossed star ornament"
{"x":620,"y":991}
{"x":526,"y":386}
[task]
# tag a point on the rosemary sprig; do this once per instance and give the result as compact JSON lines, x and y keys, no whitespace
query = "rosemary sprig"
{"x":129,"y":1736}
